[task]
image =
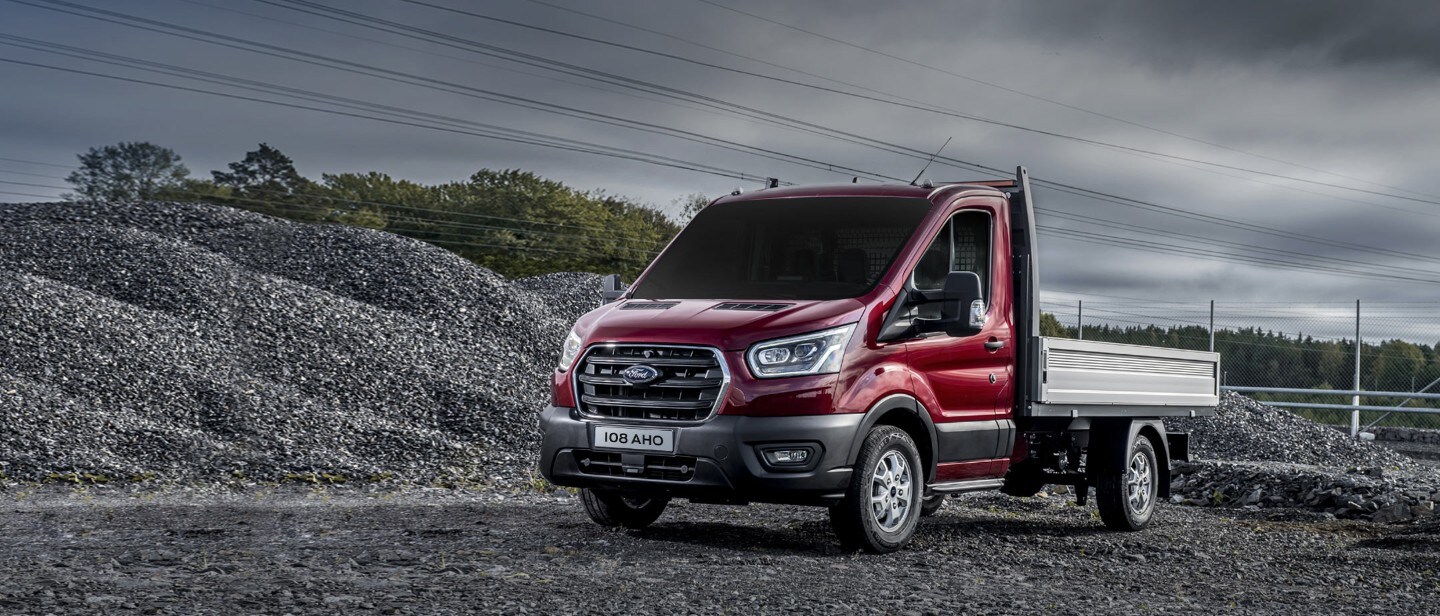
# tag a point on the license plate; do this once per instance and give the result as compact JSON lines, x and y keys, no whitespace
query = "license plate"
{"x":635,"y":439}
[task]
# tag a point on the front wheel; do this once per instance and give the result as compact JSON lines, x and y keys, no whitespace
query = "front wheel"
{"x":1126,"y":496}
{"x":882,"y":506}
{"x":609,"y":508}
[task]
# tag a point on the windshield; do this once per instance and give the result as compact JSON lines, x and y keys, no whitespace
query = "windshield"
{"x":803,"y":249}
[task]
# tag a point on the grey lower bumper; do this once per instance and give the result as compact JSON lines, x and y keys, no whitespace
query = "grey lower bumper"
{"x":721,"y":458}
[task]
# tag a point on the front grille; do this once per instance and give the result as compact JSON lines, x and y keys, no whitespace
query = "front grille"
{"x":688,"y":386}
{"x":610,"y":464}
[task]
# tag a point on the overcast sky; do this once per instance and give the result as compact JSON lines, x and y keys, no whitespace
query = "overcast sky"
{"x":1304,"y":90}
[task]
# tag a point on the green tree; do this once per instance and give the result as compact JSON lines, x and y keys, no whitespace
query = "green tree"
{"x":690,"y":205}
{"x":1050,"y":326}
{"x":127,"y":171}
{"x":266,"y":180}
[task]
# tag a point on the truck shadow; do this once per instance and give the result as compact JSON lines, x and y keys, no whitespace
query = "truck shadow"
{"x":814,"y":538}
{"x":806,"y":538}
{"x":943,"y":526}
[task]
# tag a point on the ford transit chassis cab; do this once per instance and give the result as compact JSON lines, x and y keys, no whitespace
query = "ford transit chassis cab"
{"x":868,"y":348}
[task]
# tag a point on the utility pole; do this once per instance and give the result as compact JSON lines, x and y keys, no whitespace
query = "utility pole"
{"x":1355,"y":412}
{"x":1212,"y":326}
{"x":1079,"y":319}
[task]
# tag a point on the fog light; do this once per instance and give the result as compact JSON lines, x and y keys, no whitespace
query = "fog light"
{"x":787,"y":457}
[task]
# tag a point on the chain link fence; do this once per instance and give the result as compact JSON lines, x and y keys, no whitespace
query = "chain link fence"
{"x":1306,"y":349}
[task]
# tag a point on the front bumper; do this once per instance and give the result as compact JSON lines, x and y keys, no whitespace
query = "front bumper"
{"x":715,"y":461}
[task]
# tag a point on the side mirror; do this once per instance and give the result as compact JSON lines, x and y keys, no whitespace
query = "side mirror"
{"x":962,"y":307}
{"x":611,"y":288}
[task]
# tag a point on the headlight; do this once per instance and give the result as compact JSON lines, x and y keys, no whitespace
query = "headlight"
{"x":814,"y":353}
{"x":569,"y":350}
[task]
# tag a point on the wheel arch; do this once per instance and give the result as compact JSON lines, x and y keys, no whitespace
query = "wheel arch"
{"x":1111,"y":440}
{"x":902,"y":411}
{"x":1156,"y":435}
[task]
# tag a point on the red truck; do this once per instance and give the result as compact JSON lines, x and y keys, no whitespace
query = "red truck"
{"x":869,"y":348}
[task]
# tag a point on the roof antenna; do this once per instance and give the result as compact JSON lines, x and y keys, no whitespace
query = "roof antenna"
{"x":932,"y":159}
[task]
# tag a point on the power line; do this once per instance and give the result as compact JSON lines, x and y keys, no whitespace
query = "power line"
{"x":435,"y":84}
{"x":368,"y":21}
{"x":229,"y":81}
{"x":33,"y":185}
{"x":1047,"y":100}
{"x":472,"y":61}
{"x":31,"y":162}
{"x":1094,"y":194}
{"x":1191,"y":252}
{"x":25,"y":194}
{"x":637,"y":156}
{"x":1116,"y":241}
{"x":1220,"y":220}
{"x":945,"y":111}
{"x":37,"y":175}
{"x":1089,"y":220}
{"x":422,"y":235}
{"x":428,"y":221}
{"x":1210,"y":255}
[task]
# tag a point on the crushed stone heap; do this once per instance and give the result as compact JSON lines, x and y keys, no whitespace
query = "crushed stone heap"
{"x":185,"y":341}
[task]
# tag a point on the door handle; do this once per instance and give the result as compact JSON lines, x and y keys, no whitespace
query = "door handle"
{"x":994,"y":344}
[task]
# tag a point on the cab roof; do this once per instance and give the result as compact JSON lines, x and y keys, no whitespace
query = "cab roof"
{"x":948,"y":189}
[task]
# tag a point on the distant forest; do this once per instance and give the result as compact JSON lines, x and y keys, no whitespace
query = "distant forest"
{"x":513,"y":222}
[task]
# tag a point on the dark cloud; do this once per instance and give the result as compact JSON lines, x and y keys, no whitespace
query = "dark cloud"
{"x":1306,"y":33}
{"x":1330,"y":85}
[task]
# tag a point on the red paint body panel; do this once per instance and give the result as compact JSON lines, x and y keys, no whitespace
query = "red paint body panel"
{"x":960,"y":471}
{"x":951,"y":377}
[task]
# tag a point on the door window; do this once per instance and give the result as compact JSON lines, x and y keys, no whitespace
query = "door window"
{"x":963,"y":245}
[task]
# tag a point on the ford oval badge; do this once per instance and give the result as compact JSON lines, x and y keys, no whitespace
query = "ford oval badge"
{"x":640,"y":374}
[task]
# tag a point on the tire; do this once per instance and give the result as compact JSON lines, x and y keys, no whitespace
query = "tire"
{"x":932,"y":504}
{"x":613,"y":509}
{"x":1126,"y":496}
{"x":882,"y":505}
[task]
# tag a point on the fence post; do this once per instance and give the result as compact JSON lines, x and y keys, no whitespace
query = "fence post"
{"x":1079,"y":319}
{"x":1212,"y":326}
{"x":1355,"y":413}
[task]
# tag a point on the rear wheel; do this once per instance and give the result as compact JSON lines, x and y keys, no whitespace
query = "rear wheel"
{"x":882,"y":506}
{"x":1126,"y":496}
{"x":610,"y":508}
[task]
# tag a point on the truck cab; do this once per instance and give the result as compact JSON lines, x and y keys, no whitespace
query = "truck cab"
{"x":868,"y":348}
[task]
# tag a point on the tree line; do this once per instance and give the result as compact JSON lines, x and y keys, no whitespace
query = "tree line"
{"x":510,"y":221}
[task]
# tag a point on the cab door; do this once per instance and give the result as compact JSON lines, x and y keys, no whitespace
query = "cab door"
{"x":964,"y":378}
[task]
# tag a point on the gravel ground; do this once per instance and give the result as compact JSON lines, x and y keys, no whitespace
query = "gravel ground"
{"x":446,"y":552}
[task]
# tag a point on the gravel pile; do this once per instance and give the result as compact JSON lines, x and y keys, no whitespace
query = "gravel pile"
{"x":1244,"y":430}
{"x":1250,"y":454}
{"x":1374,"y":495}
{"x":181,"y":341}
